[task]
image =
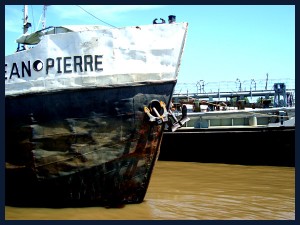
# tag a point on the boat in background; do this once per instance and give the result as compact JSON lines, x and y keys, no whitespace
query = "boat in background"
{"x":239,"y":113}
{"x":246,"y":118}
{"x":85,"y":110}
{"x":217,"y":132}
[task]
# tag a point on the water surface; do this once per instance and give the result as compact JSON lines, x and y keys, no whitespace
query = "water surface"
{"x":194,"y":191}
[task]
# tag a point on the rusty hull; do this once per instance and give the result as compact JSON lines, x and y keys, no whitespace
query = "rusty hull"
{"x":89,"y":147}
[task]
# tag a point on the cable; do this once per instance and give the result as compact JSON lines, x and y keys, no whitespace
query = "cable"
{"x":95,"y":17}
{"x":32,"y":17}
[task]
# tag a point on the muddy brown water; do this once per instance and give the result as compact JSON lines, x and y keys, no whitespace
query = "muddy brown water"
{"x":194,"y":191}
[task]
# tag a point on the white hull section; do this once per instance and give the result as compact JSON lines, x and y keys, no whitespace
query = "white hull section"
{"x":107,"y":57}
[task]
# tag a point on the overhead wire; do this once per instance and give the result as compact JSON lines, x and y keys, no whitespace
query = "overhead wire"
{"x":95,"y":16}
{"x":32,"y":17}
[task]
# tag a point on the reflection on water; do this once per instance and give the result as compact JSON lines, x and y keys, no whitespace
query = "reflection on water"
{"x":195,"y":191}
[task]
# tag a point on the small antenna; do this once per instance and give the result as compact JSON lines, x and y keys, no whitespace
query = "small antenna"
{"x":266,"y":88}
{"x":44,"y":17}
{"x":26,"y":24}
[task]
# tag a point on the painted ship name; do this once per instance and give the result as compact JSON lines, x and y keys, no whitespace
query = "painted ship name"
{"x":61,"y":65}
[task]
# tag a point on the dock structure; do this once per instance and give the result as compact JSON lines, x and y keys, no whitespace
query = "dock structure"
{"x":279,"y":95}
{"x":258,"y":93}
